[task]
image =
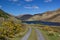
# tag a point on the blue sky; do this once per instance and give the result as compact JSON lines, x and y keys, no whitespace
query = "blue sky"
{"x":18,"y":7}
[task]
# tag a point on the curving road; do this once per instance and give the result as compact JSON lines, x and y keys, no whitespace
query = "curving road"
{"x":27,"y":34}
{"x":39,"y":35}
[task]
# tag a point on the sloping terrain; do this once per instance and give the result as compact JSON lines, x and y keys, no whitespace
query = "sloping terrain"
{"x":5,"y":16}
{"x":52,"y":16}
{"x":10,"y":27}
{"x":24,"y":17}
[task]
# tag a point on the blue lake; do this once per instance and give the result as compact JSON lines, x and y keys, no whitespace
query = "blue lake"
{"x":43,"y":22}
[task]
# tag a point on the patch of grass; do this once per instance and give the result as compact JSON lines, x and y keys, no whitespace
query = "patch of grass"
{"x":45,"y":33}
{"x":33,"y":35}
{"x":16,"y":38}
{"x":19,"y":36}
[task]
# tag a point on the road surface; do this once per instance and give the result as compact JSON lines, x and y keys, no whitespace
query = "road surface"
{"x":27,"y":34}
{"x":39,"y":35}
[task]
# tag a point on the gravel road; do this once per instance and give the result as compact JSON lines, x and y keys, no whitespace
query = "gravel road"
{"x":39,"y":35}
{"x":27,"y":34}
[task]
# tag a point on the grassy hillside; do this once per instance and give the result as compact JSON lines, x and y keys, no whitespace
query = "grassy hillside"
{"x":24,"y":17}
{"x":49,"y":32}
{"x":10,"y":26}
{"x":52,"y":16}
{"x":4,"y":14}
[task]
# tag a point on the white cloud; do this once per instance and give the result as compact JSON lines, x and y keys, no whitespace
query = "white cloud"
{"x":28,"y":0}
{"x":36,"y":7}
{"x":48,"y":1}
{"x":31,"y":7}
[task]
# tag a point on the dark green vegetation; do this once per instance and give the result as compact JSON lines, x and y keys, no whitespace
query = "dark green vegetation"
{"x":4,"y":14}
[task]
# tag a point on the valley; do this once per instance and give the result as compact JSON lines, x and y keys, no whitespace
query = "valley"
{"x":30,"y":27}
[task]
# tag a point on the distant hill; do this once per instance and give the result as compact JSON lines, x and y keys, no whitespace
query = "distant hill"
{"x":51,"y":16}
{"x":24,"y":17}
{"x":5,"y":16}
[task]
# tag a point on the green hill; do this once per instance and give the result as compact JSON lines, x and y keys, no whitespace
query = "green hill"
{"x":4,"y":14}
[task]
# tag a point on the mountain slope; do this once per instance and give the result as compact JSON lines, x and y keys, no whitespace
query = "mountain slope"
{"x":52,"y":16}
{"x":10,"y":27}
{"x":24,"y":17}
{"x":5,"y":16}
